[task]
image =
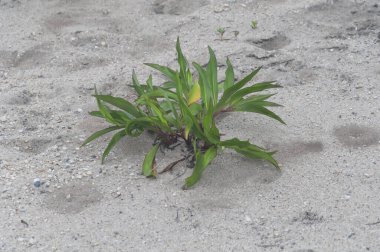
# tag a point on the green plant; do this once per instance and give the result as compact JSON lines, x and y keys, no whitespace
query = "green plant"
{"x":185,"y":109}
{"x":221,"y":31}
{"x":254,"y":24}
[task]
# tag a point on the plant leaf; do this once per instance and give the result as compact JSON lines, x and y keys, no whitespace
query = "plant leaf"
{"x":249,"y":150}
{"x":267,"y":156}
{"x":168,"y":72}
{"x":248,"y":107}
{"x":104,"y":110}
{"x":187,"y":114}
{"x":157,"y":112}
{"x":230,"y":76}
{"x":96,"y":113}
{"x":248,"y":90}
{"x":201,"y":163}
{"x":136,"y":84}
{"x":159,"y":92}
{"x":100,"y":133}
{"x":114,"y":140}
{"x":169,"y":85}
{"x":212,"y":74}
{"x":231,"y":90}
{"x":173,"y":110}
{"x":258,"y":97}
{"x":120,"y":103}
{"x":149,"y":162}
{"x":209,"y":127}
{"x":149,"y":83}
{"x":204,"y":85}
{"x":195,"y":94}
{"x":137,"y":126}
{"x":183,"y":67}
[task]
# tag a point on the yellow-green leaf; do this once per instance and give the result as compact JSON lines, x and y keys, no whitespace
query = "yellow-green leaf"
{"x":195,"y":94}
{"x":149,"y":162}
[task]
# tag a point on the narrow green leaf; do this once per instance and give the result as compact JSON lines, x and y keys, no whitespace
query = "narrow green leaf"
{"x":201,"y":163}
{"x":120,"y":103}
{"x":231,"y":90}
{"x":159,"y":92}
{"x":149,"y":83}
{"x":254,"y":98}
{"x":99,"y":134}
{"x":230,"y":76}
{"x":258,"y":109}
{"x":183,"y":68}
{"x":96,"y":113}
{"x":258,"y":103}
{"x":173,"y":110}
{"x":136,"y":84}
{"x":249,"y":150}
{"x":187,"y":114}
{"x":137,"y":126}
{"x":114,"y":140}
{"x":169,"y":85}
{"x":120,"y":117}
{"x":157,"y":112}
{"x":148,"y":168}
{"x":234,"y":142}
{"x":209,"y":127}
{"x":212,"y":74}
{"x":169,"y":73}
{"x":195,"y":109}
{"x":255,"y":88}
{"x":103,"y":109}
{"x":259,"y":155}
{"x":204,"y":85}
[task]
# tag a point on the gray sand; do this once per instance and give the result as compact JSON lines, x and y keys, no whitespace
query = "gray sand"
{"x":326,"y":198}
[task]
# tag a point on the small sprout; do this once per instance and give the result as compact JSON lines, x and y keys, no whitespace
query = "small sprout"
{"x":254,"y":24}
{"x":236,"y":33}
{"x":221,"y":31}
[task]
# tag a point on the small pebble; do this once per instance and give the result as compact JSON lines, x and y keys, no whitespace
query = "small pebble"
{"x":37,"y":182}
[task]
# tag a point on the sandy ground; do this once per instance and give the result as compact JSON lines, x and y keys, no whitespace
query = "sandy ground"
{"x":326,"y":198}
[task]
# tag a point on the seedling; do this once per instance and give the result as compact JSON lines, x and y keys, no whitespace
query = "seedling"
{"x":254,"y":24}
{"x":185,"y":109}
{"x":221,"y":31}
{"x":236,"y":33}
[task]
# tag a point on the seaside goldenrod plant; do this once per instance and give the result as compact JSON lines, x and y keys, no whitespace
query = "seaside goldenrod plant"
{"x":185,"y":109}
